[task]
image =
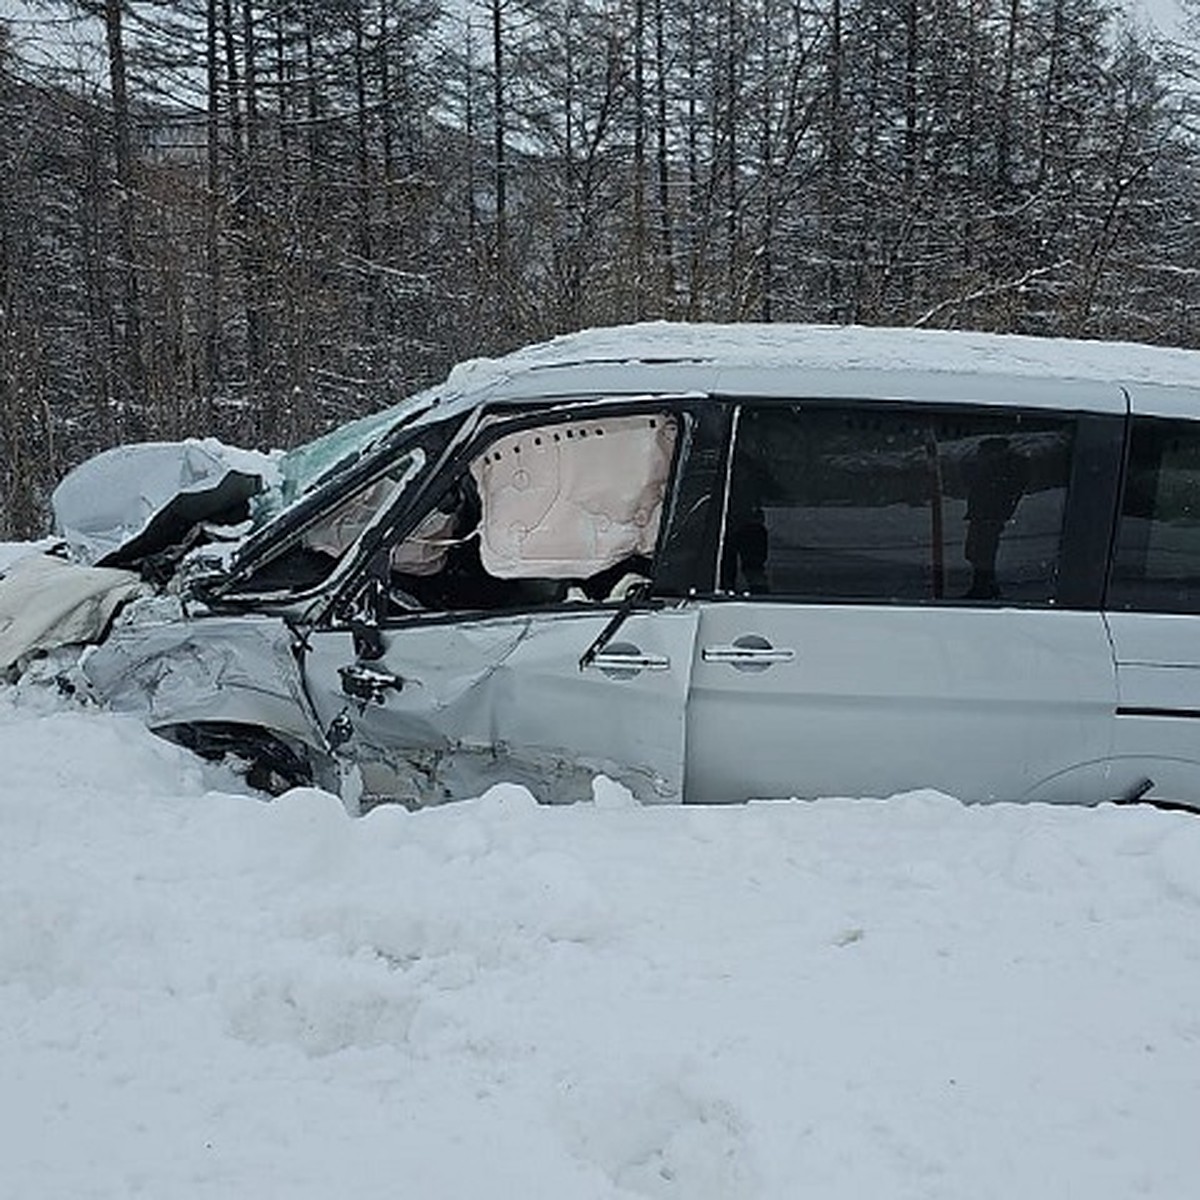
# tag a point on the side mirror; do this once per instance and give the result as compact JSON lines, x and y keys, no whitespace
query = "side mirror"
{"x":368,"y":641}
{"x":364,"y":624}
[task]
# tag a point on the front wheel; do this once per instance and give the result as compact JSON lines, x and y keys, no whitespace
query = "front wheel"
{"x":268,"y":761}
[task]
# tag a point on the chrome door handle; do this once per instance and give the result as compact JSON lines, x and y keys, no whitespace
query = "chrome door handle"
{"x":750,"y":652}
{"x":608,"y":660}
{"x":624,"y":660}
{"x":736,"y":655}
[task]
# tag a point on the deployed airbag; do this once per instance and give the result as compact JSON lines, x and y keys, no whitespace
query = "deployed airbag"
{"x":46,"y":603}
{"x":567,"y":501}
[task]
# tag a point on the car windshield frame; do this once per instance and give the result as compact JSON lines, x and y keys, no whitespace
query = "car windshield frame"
{"x":426,"y":441}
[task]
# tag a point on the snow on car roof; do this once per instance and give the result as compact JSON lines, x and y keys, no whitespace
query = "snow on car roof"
{"x":807,"y":360}
{"x":844,"y":347}
{"x":832,"y":361}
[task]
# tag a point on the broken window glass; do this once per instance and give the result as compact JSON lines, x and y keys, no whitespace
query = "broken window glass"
{"x":309,"y":556}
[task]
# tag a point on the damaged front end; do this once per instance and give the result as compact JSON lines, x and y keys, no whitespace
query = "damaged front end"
{"x":146,"y":506}
{"x":159,"y":577}
{"x":218,"y":685}
{"x":411,"y":612}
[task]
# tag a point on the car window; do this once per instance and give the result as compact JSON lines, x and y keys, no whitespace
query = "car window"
{"x":559,"y":513}
{"x":896,"y":504}
{"x":308,"y":556}
{"x":307,"y":467}
{"x":1156,"y":564}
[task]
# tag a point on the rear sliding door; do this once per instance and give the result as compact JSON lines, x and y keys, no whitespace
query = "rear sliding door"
{"x":908,"y":598}
{"x":1154,"y":606}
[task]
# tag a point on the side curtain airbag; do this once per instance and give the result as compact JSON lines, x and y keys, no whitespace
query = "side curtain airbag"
{"x":567,"y":501}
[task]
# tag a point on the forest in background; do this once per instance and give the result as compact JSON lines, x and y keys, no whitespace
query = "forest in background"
{"x":260,"y":218}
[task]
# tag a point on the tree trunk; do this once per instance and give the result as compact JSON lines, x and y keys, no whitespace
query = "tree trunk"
{"x":132,"y":397}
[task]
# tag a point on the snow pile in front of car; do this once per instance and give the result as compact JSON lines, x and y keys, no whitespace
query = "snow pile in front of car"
{"x":206,"y":995}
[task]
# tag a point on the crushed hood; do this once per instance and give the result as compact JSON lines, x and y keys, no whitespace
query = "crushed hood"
{"x":135,"y":501}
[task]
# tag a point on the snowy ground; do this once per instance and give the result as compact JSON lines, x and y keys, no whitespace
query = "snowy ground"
{"x":204,"y":995}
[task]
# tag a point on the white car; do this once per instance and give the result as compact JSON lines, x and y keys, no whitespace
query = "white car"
{"x":712,"y":562}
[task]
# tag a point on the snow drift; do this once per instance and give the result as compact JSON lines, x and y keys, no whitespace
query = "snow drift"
{"x":205,"y":995}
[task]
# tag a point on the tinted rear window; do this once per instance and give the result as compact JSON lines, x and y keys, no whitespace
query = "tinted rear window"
{"x":1156,"y":567}
{"x":897,"y":504}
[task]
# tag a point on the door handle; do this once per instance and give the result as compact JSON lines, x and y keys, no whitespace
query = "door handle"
{"x":751,"y":652}
{"x":624,"y":660}
{"x":608,"y":660}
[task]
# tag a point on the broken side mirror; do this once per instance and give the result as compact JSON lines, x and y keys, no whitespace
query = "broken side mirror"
{"x":368,"y":641}
{"x":364,"y":620}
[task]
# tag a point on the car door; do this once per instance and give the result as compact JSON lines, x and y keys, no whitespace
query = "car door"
{"x":449,"y":708}
{"x":515,"y":635}
{"x":908,"y":598}
{"x":1154,"y":602}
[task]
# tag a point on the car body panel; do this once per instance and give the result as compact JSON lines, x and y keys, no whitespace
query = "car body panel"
{"x":190,"y":670}
{"x":984,"y":704}
{"x":1158,"y":702}
{"x":839,"y":361}
{"x":459,"y":706}
{"x":134,"y":501}
{"x":1165,"y":400}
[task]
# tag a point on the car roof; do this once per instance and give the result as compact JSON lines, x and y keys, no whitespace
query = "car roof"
{"x":807,"y":361}
{"x":730,"y":362}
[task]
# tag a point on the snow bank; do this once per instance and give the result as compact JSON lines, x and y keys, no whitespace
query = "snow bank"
{"x":204,"y":995}
{"x":13,"y":552}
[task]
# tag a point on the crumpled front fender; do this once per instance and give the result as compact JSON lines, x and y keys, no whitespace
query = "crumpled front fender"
{"x":205,"y":669}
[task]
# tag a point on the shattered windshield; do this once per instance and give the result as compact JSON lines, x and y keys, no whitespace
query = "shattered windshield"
{"x":306,"y":467}
{"x":342,"y":485}
{"x":309,"y":553}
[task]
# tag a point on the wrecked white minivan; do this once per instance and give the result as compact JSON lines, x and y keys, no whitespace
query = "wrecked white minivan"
{"x":711,"y":562}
